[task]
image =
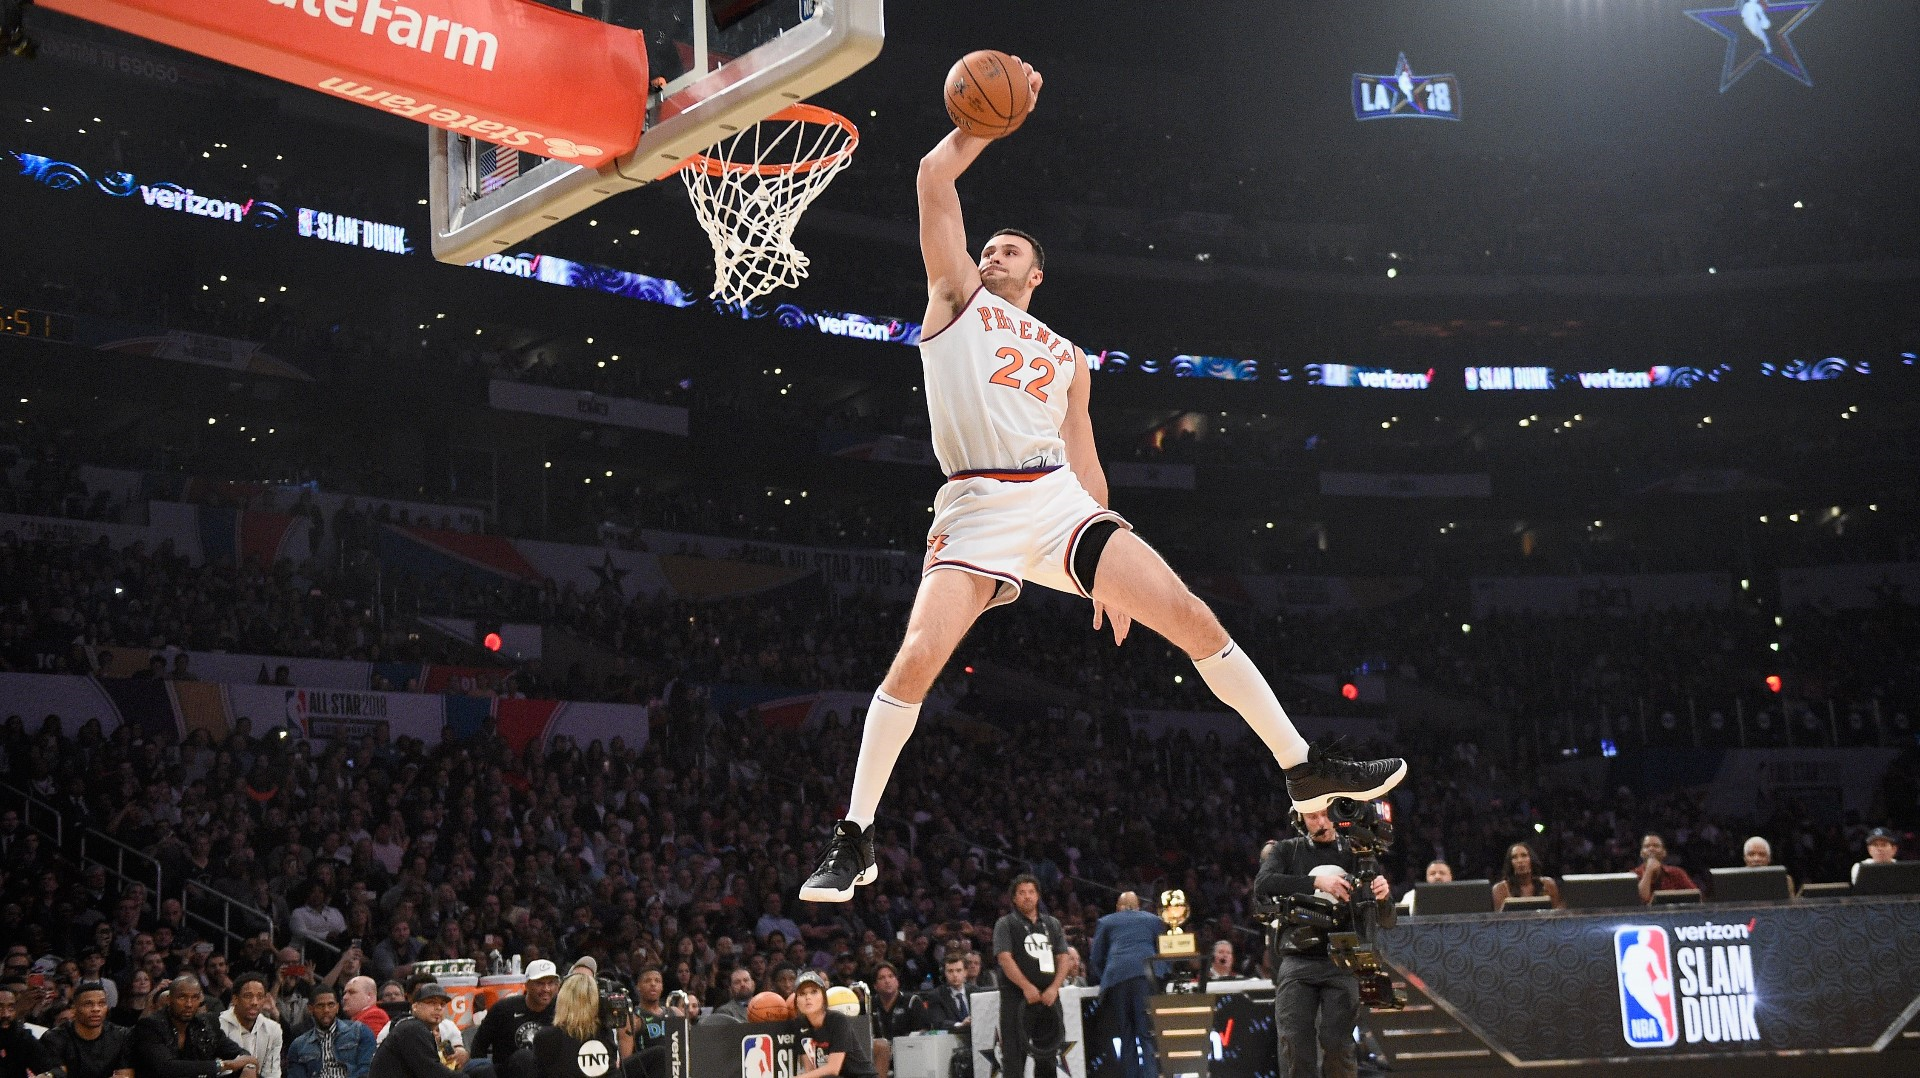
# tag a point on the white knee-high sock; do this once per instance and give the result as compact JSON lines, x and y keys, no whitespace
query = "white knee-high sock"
{"x":889,"y":724}
{"x":1237,"y":682}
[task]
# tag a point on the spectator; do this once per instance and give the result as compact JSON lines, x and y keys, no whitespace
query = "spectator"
{"x":361,"y":1003}
{"x":772,"y":921}
{"x":182,"y":1041}
{"x":333,"y":1047}
{"x":257,"y":1035}
{"x":412,"y":1049}
{"x":1520,"y":878}
{"x":133,"y":1002}
{"x":947,"y":1007}
{"x":894,"y":1015}
{"x":1883,"y":848}
{"x":740,"y":991}
{"x":393,"y":957}
{"x":317,"y":919}
{"x":1757,"y":852}
{"x":20,"y":1051}
{"x":1655,"y":874}
{"x":506,"y":1036}
{"x":89,"y":1046}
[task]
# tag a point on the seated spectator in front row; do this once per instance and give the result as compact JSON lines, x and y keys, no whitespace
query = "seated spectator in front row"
{"x":1654,"y":872}
{"x":255,"y":1033}
{"x":1882,"y":849}
{"x":89,"y":1046}
{"x":181,"y":1041}
{"x":1757,"y":852}
{"x":1437,"y":872}
{"x":1520,"y":879}
{"x":332,"y":1042}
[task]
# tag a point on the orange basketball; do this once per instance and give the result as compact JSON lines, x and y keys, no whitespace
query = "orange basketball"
{"x":987,"y":94}
{"x":769,"y":1007}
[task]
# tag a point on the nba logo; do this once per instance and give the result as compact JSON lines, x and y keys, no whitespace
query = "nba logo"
{"x":1644,"y":964}
{"x":756,"y":1056}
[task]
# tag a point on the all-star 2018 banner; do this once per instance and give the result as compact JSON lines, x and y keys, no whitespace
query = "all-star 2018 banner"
{"x":1405,"y":95}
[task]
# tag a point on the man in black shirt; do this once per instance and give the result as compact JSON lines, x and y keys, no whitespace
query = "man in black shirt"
{"x":1314,"y":1000}
{"x":89,"y":1046}
{"x":1031,"y":950}
{"x":513,"y":1022}
{"x":184,"y":1042}
{"x":830,"y":1042}
{"x":20,"y":1053}
{"x":412,"y":1047}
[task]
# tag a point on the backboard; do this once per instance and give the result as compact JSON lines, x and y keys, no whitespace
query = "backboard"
{"x":726,"y":64}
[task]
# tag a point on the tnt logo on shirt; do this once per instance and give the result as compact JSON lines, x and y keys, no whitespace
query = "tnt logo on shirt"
{"x":1644,"y":964}
{"x":1040,"y":948}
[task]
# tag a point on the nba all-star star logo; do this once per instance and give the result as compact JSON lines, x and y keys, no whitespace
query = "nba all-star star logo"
{"x":1405,"y":94}
{"x":1758,"y":30}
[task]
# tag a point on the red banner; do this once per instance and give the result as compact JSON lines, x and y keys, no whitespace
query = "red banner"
{"x":510,"y":72}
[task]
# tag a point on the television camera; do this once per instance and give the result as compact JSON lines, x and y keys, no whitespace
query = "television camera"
{"x":1298,"y":923}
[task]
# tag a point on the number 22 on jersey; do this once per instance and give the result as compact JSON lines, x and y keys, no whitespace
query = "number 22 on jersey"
{"x":1008,"y":375}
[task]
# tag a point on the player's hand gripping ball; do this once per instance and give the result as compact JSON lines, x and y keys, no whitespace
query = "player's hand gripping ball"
{"x":990,"y":93}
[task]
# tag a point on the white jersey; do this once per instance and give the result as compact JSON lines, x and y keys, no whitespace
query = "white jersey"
{"x":997,"y":383}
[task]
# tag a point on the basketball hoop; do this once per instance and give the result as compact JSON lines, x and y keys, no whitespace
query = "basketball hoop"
{"x":750,"y":190}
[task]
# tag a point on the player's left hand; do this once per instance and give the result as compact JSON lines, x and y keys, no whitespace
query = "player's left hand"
{"x":1122,"y":624}
{"x":1381,"y":889}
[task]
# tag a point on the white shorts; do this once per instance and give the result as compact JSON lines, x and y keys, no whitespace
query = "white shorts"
{"x":1013,"y":530}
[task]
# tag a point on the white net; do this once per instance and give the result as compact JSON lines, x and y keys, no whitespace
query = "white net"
{"x":750,"y":190}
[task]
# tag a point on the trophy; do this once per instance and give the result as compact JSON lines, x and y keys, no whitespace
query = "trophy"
{"x":1175,"y":942}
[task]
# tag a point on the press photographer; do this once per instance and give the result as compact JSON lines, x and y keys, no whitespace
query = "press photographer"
{"x":1321,"y":894}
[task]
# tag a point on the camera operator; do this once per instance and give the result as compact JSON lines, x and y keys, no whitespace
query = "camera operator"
{"x":1314,"y":999}
{"x":579,"y":1043}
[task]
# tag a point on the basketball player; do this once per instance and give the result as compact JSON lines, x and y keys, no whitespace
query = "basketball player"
{"x":1026,"y":500}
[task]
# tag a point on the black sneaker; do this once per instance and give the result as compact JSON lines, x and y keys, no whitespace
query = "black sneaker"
{"x":1315,"y":784}
{"x":848,"y":863}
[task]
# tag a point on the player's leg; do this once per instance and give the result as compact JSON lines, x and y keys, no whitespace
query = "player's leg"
{"x":1122,"y":572}
{"x":946,"y":606}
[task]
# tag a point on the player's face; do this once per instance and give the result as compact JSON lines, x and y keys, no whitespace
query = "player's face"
{"x":90,"y":1010}
{"x":1006,"y":266}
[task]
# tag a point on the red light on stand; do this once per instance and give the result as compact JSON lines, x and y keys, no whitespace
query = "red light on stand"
{"x":969,"y":669}
{"x":1773,"y":682}
{"x":491,"y":641}
{"x":1350,"y":691}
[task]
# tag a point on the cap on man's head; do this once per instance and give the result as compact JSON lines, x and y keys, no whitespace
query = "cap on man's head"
{"x":540,"y":969}
{"x":430,"y":990}
{"x":592,"y":964}
{"x":1882,"y":834}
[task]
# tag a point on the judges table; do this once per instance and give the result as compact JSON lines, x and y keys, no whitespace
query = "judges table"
{"x":1684,"y":984}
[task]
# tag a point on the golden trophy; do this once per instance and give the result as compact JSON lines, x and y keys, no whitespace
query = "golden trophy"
{"x":1175,"y":942}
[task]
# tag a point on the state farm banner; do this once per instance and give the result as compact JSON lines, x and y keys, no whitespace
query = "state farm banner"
{"x":1602,"y":593}
{"x":890,"y":573}
{"x":1851,"y":587}
{"x":1406,"y":485}
{"x":1125,"y":473}
{"x":517,"y":74}
{"x":587,"y":407}
{"x":1671,"y":982}
{"x":63,"y":532}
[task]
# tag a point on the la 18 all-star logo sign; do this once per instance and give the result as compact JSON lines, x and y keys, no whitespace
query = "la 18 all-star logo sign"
{"x":1758,"y":30}
{"x":1404,"y":94}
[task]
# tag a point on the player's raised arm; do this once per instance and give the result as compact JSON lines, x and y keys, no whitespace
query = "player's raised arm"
{"x":952,"y":274}
{"x":1077,"y":432}
{"x":952,"y":271}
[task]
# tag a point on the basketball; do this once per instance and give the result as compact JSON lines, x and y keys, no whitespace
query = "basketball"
{"x":769,"y":1007}
{"x":987,"y":94}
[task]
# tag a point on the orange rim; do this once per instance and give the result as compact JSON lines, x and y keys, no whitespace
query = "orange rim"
{"x":813,"y":114}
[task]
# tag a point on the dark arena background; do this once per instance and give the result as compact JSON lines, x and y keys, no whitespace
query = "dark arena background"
{"x":1555,"y":426}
